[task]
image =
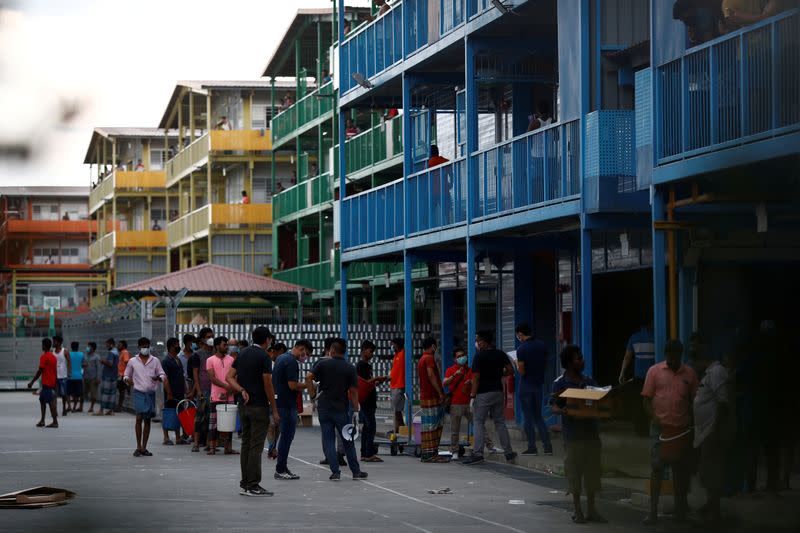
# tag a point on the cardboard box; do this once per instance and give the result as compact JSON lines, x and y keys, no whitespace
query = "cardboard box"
{"x":590,"y":403}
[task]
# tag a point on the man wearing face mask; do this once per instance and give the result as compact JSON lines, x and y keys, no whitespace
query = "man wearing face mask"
{"x":144,"y":372}
{"x":488,"y":368}
{"x":217,"y":367}
{"x":177,"y":384}
{"x":202,"y":385}
{"x":287,"y":385}
{"x":458,"y":380}
{"x":189,"y":347}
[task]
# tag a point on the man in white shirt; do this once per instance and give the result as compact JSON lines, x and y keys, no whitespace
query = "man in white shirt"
{"x":710,"y":417}
{"x":63,"y":370}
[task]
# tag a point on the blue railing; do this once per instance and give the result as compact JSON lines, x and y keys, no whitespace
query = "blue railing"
{"x":438,"y":196}
{"x":610,"y":152}
{"x":416,"y":25}
{"x":451,"y":15}
{"x":373,"y":48}
{"x":531,"y":169}
{"x":735,"y":89}
{"x":373,"y":216}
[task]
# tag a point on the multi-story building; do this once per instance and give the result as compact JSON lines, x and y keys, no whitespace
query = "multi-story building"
{"x":128,"y":202}
{"x":602,"y":169}
{"x":220,"y":173}
{"x":44,"y":242}
{"x":305,"y":252}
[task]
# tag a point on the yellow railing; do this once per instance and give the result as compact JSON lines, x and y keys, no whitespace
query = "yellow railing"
{"x":241,"y":140}
{"x":190,"y":158}
{"x":195,"y":225}
{"x":104,"y":191}
{"x":189,"y":227}
{"x":241,"y":214}
{"x":149,"y":179}
{"x":141,"y":239}
{"x":101,"y":249}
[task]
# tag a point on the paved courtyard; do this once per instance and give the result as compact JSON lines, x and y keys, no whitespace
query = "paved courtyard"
{"x":176,"y":490}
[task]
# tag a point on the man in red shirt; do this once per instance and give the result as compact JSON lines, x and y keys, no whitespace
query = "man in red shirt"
{"x":669,"y":391}
{"x":458,"y":380}
{"x":47,"y":371}
{"x":431,"y":399}
{"x":436,"y":159}
{"x":397,"y":381}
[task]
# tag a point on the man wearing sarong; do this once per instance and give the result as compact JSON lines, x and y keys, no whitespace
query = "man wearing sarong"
{"x":431,"y":396}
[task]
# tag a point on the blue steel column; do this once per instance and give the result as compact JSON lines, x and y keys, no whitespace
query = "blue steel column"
{"x":686,"y":276}
{"x":471,"y":110}
{"x":448,"y":319}
{"x":659,"y":277}
{"x":586,"y":294}
{"x":524,"y":294}
{"x":342,"y":187}
{"x":408,"y":305}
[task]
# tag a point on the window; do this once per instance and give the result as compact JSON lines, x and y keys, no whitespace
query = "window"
{"x":259,"y":118}
{"x":45,"y":212}
{"x":157,"y":158}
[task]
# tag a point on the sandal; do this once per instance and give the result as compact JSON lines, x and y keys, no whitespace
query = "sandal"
{"x":147,"y":453}
{"x":211,"y":452}
{"x":578,"y":519}
{"x":168,"y":442}
{"x":137,"y":453}
{"x":373,"y":459}
{"x":195,"y":448}
{"x":53,"y":425}
{"x":231,"y":452}
{"x":40,"y":425}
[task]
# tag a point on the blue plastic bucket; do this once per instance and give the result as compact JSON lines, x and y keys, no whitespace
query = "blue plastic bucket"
{"x":238,"y":423}
{"x":169,"y":419}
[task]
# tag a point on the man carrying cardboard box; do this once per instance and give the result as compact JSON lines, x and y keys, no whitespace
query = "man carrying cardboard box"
{"x":581,"y":437}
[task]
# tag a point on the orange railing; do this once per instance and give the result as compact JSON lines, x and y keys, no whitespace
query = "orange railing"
{"x":51,"y":226}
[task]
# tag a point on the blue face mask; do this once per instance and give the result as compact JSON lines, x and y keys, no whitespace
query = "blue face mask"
{"x":462,"y":361}
{"x":233,"y":349}
{"x":194,"y":346}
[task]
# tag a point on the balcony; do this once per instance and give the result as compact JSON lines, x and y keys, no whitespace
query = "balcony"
{"x":303,"y":114}
{"x":297,"y":201}
{"x":188,"y":160}
{"x":241,"y":140}
{"x":198,"y":223}
{"x":126,"y":181}
{"x":536,"y":170}
{"x":319,"y":276}
{"x":39,"y":229}
{"x":377,"y":148}
{"x":728,"y":102}
{"x":105,"y":247}
{"x":373,"y":216}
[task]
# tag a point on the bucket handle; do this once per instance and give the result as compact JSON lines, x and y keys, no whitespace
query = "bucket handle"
{"x":178,"y":407}
{"x":662,"y":438}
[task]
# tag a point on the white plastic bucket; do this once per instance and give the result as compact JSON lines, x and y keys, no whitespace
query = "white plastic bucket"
{"x":226,"y":417}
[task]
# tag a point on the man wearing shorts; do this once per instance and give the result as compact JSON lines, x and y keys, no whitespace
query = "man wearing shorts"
{"x":63,"y":369}
{"x":47,"y":395}
{"x":397,"y":381}
{"x":75,"y":379}
{"x":144,"y":372}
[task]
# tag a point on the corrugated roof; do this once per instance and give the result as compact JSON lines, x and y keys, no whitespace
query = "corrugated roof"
{"x":123,"y":133}
{"x":213,"y":279}
{"x":201,"y":86}
{"x":58,"y":190}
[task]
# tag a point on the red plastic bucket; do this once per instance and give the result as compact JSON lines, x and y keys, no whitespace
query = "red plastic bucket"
{"x":186,"y":416}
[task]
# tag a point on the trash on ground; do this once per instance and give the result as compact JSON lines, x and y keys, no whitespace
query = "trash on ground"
{"x":445,"y":490}
{"x":516,"y":502}
{"x":35,"y":498}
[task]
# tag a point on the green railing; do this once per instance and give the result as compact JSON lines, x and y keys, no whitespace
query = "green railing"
{"x":380,"y":143}
{"x":303,"y":196}
{"x":302,"y":166}
{"x":318,"y":276}
{"x":309,"y":108}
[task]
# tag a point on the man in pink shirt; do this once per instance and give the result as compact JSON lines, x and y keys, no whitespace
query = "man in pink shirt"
{"x":669,"y":390}
{"x":217,"y":367}
{"x":144,"y":371}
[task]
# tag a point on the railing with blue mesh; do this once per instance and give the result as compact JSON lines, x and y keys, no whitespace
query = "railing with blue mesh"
{"x":610,"y":153}
{"x":438,"y":197}
{"x":373,"y":216}
{"x":736,"y":89}
{"x":373,"y":48}
{"x":533,"y":169}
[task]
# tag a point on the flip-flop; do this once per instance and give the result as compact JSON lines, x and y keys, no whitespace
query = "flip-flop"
{"x":137,"y":453}
{"x":578,"y":519}
{"x":195,"y":448}
{"x":231,"y":452}
{"x":147,"y":453}
{"x":53,"y":425}
{"x":40,"y":425}
{"x":211,"y":452}
{"x":168,"y":443}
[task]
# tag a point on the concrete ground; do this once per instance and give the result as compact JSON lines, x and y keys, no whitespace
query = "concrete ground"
{"x":176,"y":490}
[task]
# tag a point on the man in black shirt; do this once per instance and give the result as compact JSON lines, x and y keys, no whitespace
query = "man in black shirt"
{"x":338,"y":389}
{"x":368,"y":398}
{"x":488,"y":368}
{"x":173,"y":368}
{"x":251,"y":376}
